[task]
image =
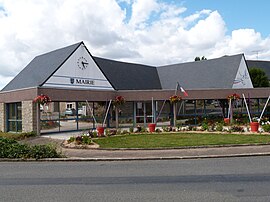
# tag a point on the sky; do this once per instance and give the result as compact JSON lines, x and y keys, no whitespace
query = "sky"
{"x":153,"y":32}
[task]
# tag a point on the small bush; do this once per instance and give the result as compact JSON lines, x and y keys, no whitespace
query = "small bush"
{"x":43,"y":151}
{"x":143,"y":130}
{"x":219,"y":127}
{"x":71,"y":139}
{"x":112,"y":132}
{"x":266,"y":128}
{"x":10,"y":148}
{"x":205,"y":126}
{"x":81,"y":139}
{"x":94,"y":134}
{"x":237,"y":129}
{"x":158,"y":130}
{"x":166,"y":128}
{"x":139,"y":129}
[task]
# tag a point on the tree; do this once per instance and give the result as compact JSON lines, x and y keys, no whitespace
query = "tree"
{"x":198,"y":58}
{"x":258,"y":77}
{"x":203,"y":58}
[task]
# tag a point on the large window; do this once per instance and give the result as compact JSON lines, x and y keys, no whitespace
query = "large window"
{"x":14,"y":117}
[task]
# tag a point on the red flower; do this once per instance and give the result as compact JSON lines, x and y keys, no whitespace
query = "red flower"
{"x":42,"y":99}
{"x":233,"y":97}
{"x":175,"y":98}
{"x":119,"y":100}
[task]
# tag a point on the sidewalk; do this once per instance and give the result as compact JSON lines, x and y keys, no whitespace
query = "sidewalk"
{"x":155,"y":154}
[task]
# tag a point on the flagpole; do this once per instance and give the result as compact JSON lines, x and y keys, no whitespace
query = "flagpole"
{"x":106,"y":113}
{"x":247,"y":108}
{"x":264,"y":108}
{"x":176,"y":88}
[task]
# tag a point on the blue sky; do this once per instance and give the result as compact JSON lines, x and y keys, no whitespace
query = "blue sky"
{"x":237,"y":13}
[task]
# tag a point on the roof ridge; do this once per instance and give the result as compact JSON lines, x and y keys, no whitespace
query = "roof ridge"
{"x":132,"y":63}
{"x":204,"y":61}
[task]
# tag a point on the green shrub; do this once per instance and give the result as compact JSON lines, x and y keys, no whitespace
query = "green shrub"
{"x":143,"y":130}
{"x":71,"y":139}
{"x":205,"y":126}
{"x":166,"y":128}
{"x":219,"y":127}
{"x":94,"y":134}
{"x":81,"y":139}
{"x":237,"y":129}
{"x":131,"y":129}
{"x":112,"y":132}
{"x":266,"y":128}
{"x":10,"y":148}
{"x":43,"y":151}
{"x":86,"y":140}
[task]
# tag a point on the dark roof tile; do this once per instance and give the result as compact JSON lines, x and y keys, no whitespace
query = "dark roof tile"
{"x":129,"y":76}
{"x":40,"y":68}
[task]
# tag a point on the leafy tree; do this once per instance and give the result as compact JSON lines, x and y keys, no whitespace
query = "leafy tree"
{"x":258,"y":77}
{"x":203,"y":58}
{"x":198,"y":58}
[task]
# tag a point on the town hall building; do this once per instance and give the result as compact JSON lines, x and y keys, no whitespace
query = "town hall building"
{"x":82,"y":87}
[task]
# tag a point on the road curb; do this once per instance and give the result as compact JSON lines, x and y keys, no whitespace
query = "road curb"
{"x":77,"y":159}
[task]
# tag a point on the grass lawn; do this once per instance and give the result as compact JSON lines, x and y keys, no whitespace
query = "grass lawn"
{"x":169,"y":140}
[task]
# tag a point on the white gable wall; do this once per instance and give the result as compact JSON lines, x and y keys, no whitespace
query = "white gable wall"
{"x":72,"y":75}
{"x":242,"y":79}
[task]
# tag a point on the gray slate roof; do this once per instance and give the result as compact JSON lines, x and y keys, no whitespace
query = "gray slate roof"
{"x":41,"y":68}
{"x":204,"y":74}
{"x":264,"y":65}
{"x":129,"y":76}
{"x":215,"y":73}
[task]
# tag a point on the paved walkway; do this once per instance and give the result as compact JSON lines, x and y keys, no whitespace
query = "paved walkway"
{"x":183,"y":153}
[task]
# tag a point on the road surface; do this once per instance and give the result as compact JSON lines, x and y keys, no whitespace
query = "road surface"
{"x":232,"y":179}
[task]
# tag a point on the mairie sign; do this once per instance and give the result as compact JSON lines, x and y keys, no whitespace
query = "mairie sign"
{"x":82,"y":81}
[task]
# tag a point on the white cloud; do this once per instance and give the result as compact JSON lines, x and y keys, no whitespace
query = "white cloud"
{"x":141,"y":11}
{"x":156,"y":33}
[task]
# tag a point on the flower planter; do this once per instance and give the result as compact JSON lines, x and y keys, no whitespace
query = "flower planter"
{"x":100,"y":130}
{"x":227,"y":120}
{"x":152,"y":127}
{"x":254,"y":126}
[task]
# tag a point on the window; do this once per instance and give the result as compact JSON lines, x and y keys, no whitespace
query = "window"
{"x":69,"y":106}
{"x":14,"y":117}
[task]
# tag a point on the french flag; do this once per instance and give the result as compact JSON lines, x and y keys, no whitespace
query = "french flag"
{"x":181,"y":89}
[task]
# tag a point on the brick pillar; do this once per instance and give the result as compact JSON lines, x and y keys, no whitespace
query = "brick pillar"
{"x":2,"y":117}
{"x":29,"y":117}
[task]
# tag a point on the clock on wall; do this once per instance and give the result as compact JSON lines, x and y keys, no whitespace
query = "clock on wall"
{"x":82,"y":63}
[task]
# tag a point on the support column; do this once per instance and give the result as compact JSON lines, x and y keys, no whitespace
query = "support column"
{"x":116,"y":116}
{"x":144,"y":114}
{"x":2,"y":117}
{"x":174,"y":114}
{"x":134,"y":114}
{"x":30,"y":117}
